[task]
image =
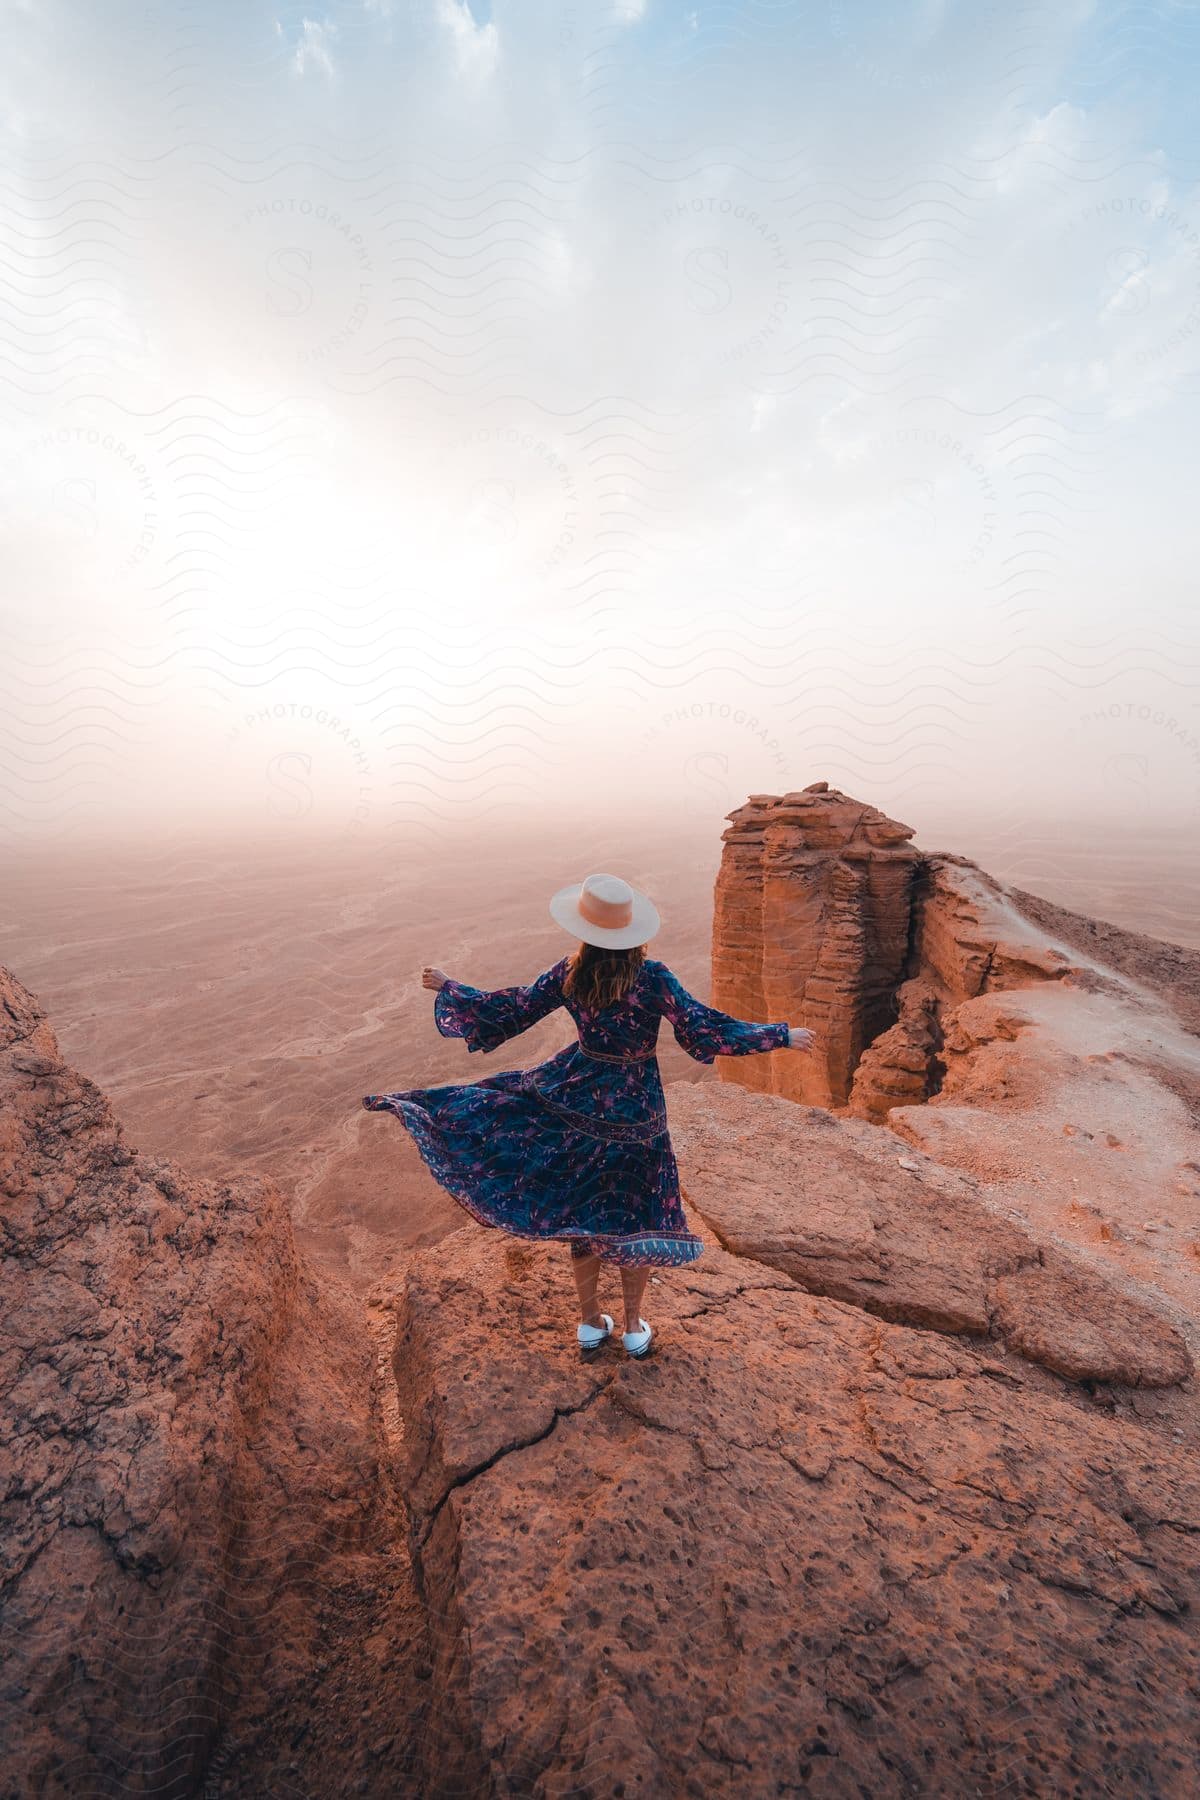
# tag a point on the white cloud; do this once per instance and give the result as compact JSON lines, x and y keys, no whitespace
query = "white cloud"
{"x":477,"y":47}
{"x":312,"y":47}
{"x":1062,"y":131}
{"x":538,"y":360}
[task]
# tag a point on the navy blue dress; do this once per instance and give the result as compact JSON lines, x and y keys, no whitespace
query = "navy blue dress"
{"x":576,"y":1147}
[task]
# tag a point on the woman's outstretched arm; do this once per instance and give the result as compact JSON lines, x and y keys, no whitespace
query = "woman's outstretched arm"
{"x":705,"y":1033}
{"x":487,"y":1018}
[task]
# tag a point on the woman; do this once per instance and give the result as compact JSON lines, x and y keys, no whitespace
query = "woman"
{"x":577,"y":1148}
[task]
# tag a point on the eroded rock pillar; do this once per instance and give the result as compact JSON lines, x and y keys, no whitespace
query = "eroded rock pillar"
{"x":811,"y":921}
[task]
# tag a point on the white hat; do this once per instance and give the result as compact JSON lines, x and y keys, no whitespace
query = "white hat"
{"x":606,"y":911}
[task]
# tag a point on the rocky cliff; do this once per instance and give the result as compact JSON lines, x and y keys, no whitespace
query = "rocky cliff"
{"x":190,"y":1467}
{"x":826,"y":915}
{"x":812,"y":920}
{"x":802,"y":1549}
{"x":906,"y":1501}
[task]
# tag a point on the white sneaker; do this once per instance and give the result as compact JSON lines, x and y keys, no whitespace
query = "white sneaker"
{"x":592,"y":1336}
{"x":637,"y":1342}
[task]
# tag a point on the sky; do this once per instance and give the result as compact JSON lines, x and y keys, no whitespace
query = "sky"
{"x":420,"y":418}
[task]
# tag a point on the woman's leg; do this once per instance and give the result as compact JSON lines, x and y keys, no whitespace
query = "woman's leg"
{"x":587,"y":1280}
{"x":633,"y":1286}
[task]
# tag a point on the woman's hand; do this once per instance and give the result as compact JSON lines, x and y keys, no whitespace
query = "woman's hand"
{"x":799,"y":1038}
{"x":434,"y":978}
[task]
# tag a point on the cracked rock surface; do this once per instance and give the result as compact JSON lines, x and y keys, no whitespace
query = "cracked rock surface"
{"x":798,"y":1550}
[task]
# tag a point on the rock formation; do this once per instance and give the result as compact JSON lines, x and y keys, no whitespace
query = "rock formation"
{"x":811,"y":923}
{"x":967,"y":939}
{"x":1048,"y":1057}
{"x":827,"y":916}
{"x":844,"y":1210}
{"x":189,"y":1458}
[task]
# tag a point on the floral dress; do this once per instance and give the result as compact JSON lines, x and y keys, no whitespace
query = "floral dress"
{"x":576,"y":1147}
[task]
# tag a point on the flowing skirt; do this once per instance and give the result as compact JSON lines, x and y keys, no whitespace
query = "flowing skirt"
{"x":515,"y":1164}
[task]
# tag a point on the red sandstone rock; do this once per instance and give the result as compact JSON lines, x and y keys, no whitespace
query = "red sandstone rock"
{"x":811,"y":924}
{"x":831,"y":1202}
{"x":825,"y":915}
{"x":1057,"y":1317}
{"x":186,"y":1448}
{"x":876,"y":1543}
{"x":797,"y":1550}
{"x":902,"y":1066}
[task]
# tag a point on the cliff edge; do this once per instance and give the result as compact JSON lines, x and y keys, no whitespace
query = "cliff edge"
{"x":906,"y":1501}
{"x":1051,"y":1058}
{"x":801,"y":1549}
{"x":193,"y":1487}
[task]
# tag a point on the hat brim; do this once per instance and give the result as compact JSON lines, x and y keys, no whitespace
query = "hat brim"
{"x":564,"y":909}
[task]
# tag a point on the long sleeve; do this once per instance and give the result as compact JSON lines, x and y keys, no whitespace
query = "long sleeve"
{"x":488,"y":1018}
{"x":706,"y":1033}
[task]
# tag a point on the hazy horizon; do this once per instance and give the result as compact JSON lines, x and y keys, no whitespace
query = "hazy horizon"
{"x":427,"y":421}
{"x":1143,"y":876}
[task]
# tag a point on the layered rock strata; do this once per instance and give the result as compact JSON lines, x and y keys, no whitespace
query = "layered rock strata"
{"x":827,"y":916}
{"x":811,"y":923}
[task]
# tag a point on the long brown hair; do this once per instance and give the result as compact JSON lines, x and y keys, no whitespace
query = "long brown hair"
{"x":596,"y":978}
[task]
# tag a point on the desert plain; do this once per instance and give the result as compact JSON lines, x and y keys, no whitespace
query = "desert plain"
{"x":235,"y":998}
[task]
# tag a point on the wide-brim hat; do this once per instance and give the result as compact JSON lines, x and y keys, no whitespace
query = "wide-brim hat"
{"x":605,"y":911}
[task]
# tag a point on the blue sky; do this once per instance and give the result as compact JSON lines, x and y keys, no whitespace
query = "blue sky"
{"x":546,"y":393}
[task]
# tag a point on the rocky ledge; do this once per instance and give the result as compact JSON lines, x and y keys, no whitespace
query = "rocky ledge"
{"x":846,"y":1211}
{"x":799,"y":1550}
